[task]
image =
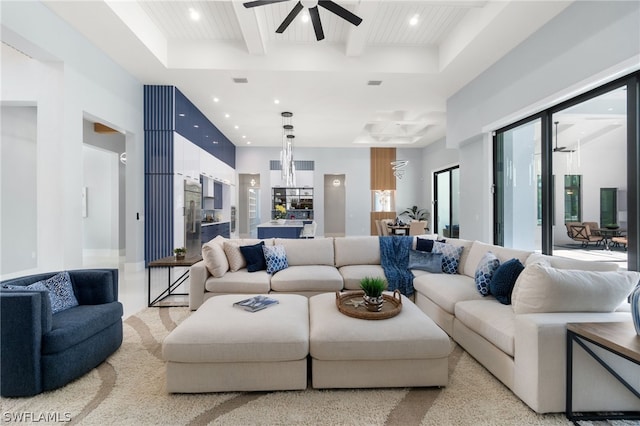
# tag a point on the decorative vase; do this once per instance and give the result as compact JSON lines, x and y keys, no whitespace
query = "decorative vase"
{"x":634,"y":299}
{"x":373,"y":304}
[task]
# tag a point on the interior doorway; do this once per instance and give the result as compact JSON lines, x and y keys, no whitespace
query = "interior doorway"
{"x":248,"y":205}
{"x":334,"y":205}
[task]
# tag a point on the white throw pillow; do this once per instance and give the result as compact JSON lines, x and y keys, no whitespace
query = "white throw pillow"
{"x":214,"y":258}
{"x":541,"y":288}
{"x":234,"y":256}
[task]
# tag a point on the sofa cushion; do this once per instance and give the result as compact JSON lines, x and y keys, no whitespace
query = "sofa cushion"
{"x":356,"y":251}
{"x":446,"y":290}
{"x":491,"y":320}
{"x":60,"y":292}
{"x":74,"y":325}
{"x":425,"y":261}
{"x":276,"y":258}
{"x":214,"y":257}
{"x":484,"y":272}
{"x":316,"y":251}
{"x":504,"y":279}
{"x":478,"y":249}
{"x":450,"y":256}
{"x":352,"y":274}
{"x":565,"y":263}
{"x":254,"y":257}
{"x":234,"y":256}
{"x":541,"y":288}
{"x":307,"y":278}
{"x":241,"y":281}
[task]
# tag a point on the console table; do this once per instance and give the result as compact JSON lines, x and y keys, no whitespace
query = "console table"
{"x":619,"y":338}
{"x":170,"y":262}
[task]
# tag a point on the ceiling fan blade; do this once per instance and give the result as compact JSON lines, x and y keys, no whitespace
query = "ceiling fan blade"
{"x":340,"y":11}
{"x":290,"y":17}
{"x":256,"y":3}
{"x":317,"y":25}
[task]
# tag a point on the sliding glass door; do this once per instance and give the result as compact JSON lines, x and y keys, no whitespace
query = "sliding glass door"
{"x":446,"y":202}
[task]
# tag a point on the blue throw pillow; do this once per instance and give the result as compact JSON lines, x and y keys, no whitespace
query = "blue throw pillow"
{"x":424,"y":244}
{"x":450,"y":256}
{"x":425,"y":261}
{"x":504,"y":279}
{"x":484,"y":272}
{"x":254,"y":257}
{"x":276,"y":258}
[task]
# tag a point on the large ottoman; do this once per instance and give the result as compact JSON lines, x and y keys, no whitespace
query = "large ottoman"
{"x":222,"y":348}
{"x":408,"y":350}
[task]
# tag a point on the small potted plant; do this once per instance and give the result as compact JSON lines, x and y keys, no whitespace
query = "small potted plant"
{"x":373,"y":288}
{"x":180,"y":252}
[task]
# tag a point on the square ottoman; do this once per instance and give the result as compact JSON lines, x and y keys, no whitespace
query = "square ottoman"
{"x":408,"y":350}
{"x":221,"y":348}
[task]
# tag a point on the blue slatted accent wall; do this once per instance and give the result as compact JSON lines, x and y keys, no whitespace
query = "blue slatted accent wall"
{"x":158,"y":168}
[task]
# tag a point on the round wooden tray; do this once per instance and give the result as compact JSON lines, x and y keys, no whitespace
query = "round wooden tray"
{"x":390,"y":308}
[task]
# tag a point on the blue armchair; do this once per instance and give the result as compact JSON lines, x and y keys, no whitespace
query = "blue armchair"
{"x":41,"y":351}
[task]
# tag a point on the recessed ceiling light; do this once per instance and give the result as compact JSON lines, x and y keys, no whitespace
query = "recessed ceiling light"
{"x":236,"y":127}
{"x":414,"y":20}
{"x":216,"y":99}
{"x":194,"y":14}
{"x":227,"y":116}
{"x":276,"y":101}
{"x":244,"y":136}
{"x":248,"y":142}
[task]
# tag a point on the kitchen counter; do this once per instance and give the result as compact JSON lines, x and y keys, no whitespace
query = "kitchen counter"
{"x":212,"y":223}
{"x":289,"y":229}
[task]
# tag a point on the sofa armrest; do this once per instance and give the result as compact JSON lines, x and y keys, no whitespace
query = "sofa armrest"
{"x":540,"y":356}
{"x":25,"y":317}
{"x":198,"y":274}
{"x":95,"y":286}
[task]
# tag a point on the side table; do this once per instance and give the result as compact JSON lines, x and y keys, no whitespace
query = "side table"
{"x":619,"y":338}
{"x":170,"y":262}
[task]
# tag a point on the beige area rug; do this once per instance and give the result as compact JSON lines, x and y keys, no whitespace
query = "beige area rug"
{"x":129,"y":389}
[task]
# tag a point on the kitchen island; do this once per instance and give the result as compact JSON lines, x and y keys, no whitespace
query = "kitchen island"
{"x":288,"y":229}
{"x":210,"y":230}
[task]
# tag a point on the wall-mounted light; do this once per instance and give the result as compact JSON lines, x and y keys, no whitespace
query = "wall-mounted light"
{"x":336,"y":182}
{"x":123,"y":158}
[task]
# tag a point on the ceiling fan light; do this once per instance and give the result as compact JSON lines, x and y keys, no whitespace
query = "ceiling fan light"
{"x":309,"y":3}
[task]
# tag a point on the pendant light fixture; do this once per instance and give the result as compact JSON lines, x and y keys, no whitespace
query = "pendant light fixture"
{"x":286,"y":154}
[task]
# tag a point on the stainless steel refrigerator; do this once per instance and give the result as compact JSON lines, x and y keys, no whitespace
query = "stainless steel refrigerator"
{"x":192,"y":218}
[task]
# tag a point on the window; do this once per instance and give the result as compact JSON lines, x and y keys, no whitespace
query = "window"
{"x":572,"y":198}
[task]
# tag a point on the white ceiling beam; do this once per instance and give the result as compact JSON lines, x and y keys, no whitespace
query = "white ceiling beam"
{"x":252,"y":26}
{"x":357,"y":39}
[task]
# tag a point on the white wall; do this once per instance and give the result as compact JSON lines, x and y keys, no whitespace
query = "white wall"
{"x":18,"y":208}
{"x":67,"y":79}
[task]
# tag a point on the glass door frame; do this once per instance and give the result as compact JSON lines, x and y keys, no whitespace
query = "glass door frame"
{"x":632,"y":83}
{"x":452,"y":202}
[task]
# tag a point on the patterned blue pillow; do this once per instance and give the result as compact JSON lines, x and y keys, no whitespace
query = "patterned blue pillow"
{"x":450,"y":256}
{"x":60,"y":292}
{"x":484,"y":272}
{"x":504,"y":279}
{"x":276,"y":258}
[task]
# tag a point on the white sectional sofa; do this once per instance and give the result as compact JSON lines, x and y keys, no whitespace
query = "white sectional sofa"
{"x":525,"y":351}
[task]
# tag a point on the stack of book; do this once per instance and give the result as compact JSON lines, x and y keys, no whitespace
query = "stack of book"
{"x":256,"y":303}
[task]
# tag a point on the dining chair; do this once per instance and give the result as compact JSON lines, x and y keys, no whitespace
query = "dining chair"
{"x":417,"y":227}
{"x":378,"y":227}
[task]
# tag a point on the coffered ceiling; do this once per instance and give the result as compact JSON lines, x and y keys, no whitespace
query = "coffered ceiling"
{"x":383,"y":83}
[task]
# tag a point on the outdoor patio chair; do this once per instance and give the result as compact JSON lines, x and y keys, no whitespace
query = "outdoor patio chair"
{"x":621,"y":240}
{"x":582,"y":233}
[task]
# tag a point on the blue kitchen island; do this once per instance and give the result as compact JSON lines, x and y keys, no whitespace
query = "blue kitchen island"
{"x":288,"y":229}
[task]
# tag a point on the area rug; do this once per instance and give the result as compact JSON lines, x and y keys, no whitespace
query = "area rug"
{"x":129,"y":389}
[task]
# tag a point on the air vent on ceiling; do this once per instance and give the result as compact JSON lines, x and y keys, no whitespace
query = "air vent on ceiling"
{"x":240,"y":80}
{"x":374,"y":82}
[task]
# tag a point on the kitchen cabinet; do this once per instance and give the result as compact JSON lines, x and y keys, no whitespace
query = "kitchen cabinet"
{"x":211,"y":230}
{"x":217,"y":195}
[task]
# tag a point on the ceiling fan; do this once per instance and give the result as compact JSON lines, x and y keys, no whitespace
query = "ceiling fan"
{"x":312,"y":5}
{"x":560,"y":148}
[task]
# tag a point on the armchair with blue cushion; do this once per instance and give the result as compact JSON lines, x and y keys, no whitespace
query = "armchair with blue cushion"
{"x":41,"y":350}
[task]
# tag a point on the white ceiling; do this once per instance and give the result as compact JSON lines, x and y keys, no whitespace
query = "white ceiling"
{"x":324,"y":83}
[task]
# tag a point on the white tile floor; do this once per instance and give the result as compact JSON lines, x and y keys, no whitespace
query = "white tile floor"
{"x":133,"y":286}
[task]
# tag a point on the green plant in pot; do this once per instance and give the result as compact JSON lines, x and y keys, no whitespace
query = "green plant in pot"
{"x":180,"y":252}
{"x":373,"y":288}
{"x":415,"y":213}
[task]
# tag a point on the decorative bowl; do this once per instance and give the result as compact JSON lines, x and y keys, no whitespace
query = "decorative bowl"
{"x":281,"y":221}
